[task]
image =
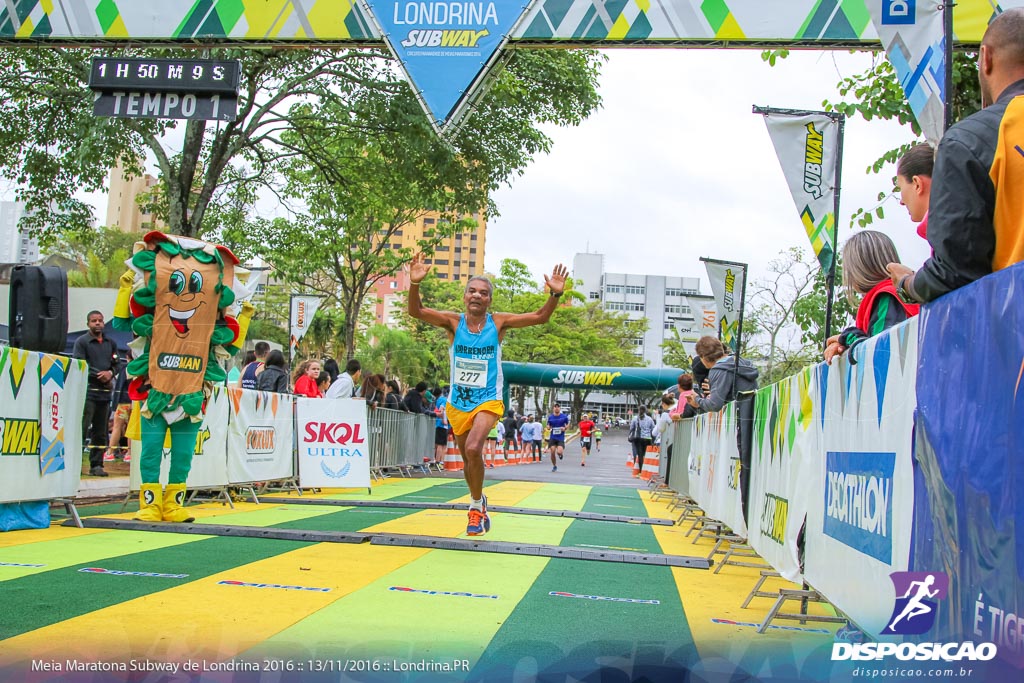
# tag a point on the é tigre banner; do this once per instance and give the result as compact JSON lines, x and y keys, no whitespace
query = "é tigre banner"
{"x":807,"y":147}
{"x":334,"y":449}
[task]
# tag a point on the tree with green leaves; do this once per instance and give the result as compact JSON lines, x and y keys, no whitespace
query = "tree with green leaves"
{"x":292,"y":104}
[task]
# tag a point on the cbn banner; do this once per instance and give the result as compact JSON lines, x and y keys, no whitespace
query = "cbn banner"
{"x":715,"y":467}
{"x":728,"y":281}
{"x":969,"y":516}
{"x":862,"y":491}
{"x":260,"y":436}
{"x":787,"y":447}
{"x":303,"y":308}
{"x":807,"y":149}
{"x":210,"y":458}
{"x":333,"y":447}
{"x":911,"y":32}
{"x":27,"y":471}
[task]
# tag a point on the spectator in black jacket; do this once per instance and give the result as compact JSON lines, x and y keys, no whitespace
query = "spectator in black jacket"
{"x":275,"y":374}
{"x":729,"y":381}
{"x":100,"y":354}
{"x":976,"y":211}
{"x":414,"y":400}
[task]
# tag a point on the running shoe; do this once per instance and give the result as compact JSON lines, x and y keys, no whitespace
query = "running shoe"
{"x":583,"y":464}
{"x":555,"y":468}
{"x":108,"y":457}
{"x":479,"y":522}
{"x":559,"y":456}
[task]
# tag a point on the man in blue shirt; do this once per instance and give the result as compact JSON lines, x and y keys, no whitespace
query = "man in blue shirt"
{"x":441,"y":426}
{"x":475,"y":402}
{"x":557,"y":423}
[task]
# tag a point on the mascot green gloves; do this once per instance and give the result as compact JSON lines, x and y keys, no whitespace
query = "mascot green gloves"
{"x":176,"y":298}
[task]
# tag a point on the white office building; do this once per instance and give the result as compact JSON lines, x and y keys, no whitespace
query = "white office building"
{"x":16,"y":246}
{"x":661,"y":299}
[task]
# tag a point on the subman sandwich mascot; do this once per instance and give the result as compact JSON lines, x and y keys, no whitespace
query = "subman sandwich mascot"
{"x":176,"y":298}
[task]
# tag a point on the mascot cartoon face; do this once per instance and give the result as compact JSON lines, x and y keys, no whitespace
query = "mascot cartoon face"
{"x":185,"y":280}
{"x":185,"y":296}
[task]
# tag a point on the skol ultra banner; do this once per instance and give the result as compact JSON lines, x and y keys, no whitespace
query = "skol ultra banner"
{"x":334,"y":450}
{"x":727,"y":283}
{"x":22,"y":475}
{"x":303,"y":308}
{"x":210,"y":458}
{"x":911,"y":32}
{"x":807,"y":150}
{"x":787,"y":446}
{"x":862,"y":491}
{"x":260,"y":436}
{"x":715,"y":467}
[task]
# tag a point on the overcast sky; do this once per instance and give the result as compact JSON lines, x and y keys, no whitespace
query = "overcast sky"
{"x":675,"y":166}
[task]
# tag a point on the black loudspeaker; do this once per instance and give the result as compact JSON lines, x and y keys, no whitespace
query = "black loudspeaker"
{"x":39,"y":308}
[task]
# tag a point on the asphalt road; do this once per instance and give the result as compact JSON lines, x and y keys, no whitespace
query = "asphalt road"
{"x":604,"y":468}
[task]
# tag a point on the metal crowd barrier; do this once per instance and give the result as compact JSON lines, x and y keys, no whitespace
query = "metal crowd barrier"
{"x":399,"y":441}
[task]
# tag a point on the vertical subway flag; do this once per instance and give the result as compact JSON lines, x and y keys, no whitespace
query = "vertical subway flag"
{"x":806,"y":147}
{"x":303,"y":308}
{"x":446,"y":48}
{"x":911,"y":32}
{"x":727,"y":283}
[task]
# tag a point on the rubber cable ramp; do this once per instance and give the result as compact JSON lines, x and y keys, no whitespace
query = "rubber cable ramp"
{"x":461,"y":506}
{"x":504,"y":547}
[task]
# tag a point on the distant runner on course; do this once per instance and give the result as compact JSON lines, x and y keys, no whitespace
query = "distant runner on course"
{"x":475,"y":402}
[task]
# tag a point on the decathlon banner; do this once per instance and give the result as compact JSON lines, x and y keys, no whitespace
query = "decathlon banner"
{"x":333,"y":447}
{"x":260,"y":436}
{"x":861,"y":510}
{"x":728,"y":281}
{"x":969,"y":514}
{"x":23,"y":476}
{"x":912,"y":35}
{"x":787,"y":446}
{"x":302,"y":310}
{"x":210,"y":458}
{"x":715,"y":467}
{"x":807,"y":149}
{"x":446,"y":48}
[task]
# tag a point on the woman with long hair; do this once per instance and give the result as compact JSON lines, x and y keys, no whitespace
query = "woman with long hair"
{"x":865,"y":256}
{"x":305,"y":379}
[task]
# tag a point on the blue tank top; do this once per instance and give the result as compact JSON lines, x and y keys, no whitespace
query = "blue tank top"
{"x":249,"y":375}
{"x":475,"y":366}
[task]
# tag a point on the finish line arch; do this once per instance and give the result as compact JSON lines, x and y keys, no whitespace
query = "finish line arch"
{"x":570,"y":377}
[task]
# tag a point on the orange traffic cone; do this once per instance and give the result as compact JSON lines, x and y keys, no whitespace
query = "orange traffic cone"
{"x":452,"y":459}
{"x":652,"y":462}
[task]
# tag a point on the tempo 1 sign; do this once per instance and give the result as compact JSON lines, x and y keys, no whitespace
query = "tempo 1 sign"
{"x":166,"y":105}
{"x":134,"y":87}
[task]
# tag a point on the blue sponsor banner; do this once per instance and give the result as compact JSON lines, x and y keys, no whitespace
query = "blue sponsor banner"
{"x":858,"y":501}
{"x":444,"y":46}
{"x":969,"y":445}
{"x":899,"y":12}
